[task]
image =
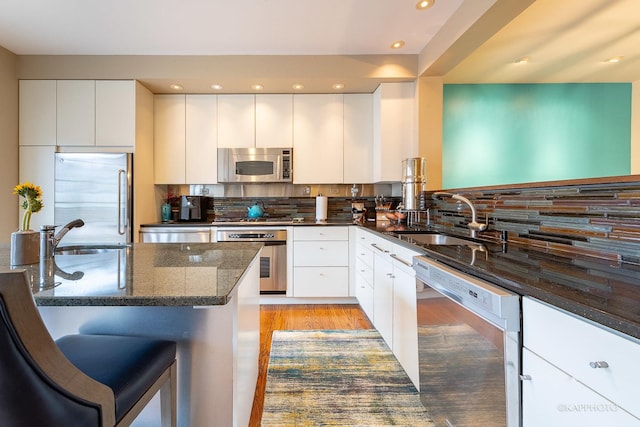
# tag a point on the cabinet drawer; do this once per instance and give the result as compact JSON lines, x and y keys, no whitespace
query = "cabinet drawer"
{"x":403,"y":258}
{"x":320,"y":233}
{"x":364,"y":237}
{"x":574,"y":344}
{"x":365,"y":271}
{"x":321,"y":282}
{"x":364,"y":294}
{"x":365,"y":254}
{"x":327,"y":253}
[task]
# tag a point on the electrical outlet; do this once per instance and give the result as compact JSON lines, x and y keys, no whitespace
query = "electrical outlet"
{"x":307,"y":190}
{"x":334,"y":190}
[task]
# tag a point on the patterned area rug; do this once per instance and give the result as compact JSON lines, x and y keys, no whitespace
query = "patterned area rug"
{"x":338,"y":378}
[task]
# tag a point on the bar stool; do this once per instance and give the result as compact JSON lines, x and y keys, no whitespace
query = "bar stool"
{"x":83,"y":380}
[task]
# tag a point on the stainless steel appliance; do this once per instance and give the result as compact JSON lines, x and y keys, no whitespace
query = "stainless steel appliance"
{"x":255,"y":165}
{"x":469,"y":348}
{"x":414,"y":181}
{"x":193,"y":208}
{"x":273,"y":259}
{"x":95,"y":187}
{"x":175,"y":234}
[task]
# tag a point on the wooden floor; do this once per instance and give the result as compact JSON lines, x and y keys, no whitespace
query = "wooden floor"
{"x":299,"y":317}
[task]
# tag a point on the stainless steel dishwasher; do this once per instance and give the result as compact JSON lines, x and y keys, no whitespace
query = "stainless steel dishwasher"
{"x":469,"y":348}
{"x":175,"y":234}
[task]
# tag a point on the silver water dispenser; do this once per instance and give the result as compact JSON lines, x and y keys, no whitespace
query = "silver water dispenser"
{"x":414,"y":181}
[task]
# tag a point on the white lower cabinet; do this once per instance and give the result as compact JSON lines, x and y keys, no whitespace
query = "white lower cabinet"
{"x":577,"y":373}
{"x":554,"y":399}
{"x":386,"y":291}
{"x":321,"y":261}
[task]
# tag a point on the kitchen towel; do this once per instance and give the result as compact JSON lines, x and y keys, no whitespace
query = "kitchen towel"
{"x":321,"y":208}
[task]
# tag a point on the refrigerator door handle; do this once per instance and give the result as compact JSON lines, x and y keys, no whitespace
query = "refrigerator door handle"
{"x":121,"y":174}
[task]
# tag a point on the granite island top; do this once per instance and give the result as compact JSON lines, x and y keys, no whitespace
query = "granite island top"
{"x":604,"y":291}
{"x":141,"y":274}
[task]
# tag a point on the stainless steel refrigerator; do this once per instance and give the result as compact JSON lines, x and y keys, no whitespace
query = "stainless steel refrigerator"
{"x":95,"y":187}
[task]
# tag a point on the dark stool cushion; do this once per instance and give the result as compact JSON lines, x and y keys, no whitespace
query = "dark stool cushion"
{"x":128,"y":365}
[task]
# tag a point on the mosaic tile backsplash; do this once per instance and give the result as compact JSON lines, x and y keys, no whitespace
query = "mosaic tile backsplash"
{"x":594,"y":219}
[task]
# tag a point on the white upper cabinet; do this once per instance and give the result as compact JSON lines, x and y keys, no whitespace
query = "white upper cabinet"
{"x":236,"y":121}
{"x":115,"y":113}
{"x":201,"y":154}
{"x":358,"y":138}
{"x":169,"y":144}
{"x":394,"y":136}
{"x":76,"y":112}
{"x":37,"y":112}
{"x":185,"y":135}
{"x":274,"y":121}
{"x":318,"y":139}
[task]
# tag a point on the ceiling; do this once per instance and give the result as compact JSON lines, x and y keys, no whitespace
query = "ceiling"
{"x":218,"y":27}
{"x":565,"y":40}
{"x":281,"y":42}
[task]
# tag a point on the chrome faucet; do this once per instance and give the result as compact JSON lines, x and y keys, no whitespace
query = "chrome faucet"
{"x":49,"y":241}
{"x":474,"y":225}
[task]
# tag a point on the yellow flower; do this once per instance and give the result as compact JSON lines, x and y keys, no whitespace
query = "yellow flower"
{"x":32,"y":202}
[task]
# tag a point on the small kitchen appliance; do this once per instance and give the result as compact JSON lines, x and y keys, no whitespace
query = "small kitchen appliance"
{"x":193,"y":208}
{"x":414,"y":181}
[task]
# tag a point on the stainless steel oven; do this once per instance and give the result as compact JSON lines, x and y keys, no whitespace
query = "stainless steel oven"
{"x":273,"y":259}
{"x":469,"y":348}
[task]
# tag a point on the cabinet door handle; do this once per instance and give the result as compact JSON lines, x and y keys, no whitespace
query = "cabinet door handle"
{"x":379,"y":248}
{"x":599,"y":364}
{"x":525,"y":377}
{"x":394,"y":256}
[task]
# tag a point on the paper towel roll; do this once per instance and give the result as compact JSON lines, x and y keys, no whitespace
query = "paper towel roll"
{"x":321,"y":208}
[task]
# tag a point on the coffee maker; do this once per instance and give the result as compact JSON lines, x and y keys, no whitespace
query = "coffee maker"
{"x":194,"y":208}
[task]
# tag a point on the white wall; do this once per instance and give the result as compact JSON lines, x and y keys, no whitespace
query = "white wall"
{"x":9,"y":143}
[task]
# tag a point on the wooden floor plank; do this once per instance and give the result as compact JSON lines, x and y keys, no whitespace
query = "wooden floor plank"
{"x":299,"y":317}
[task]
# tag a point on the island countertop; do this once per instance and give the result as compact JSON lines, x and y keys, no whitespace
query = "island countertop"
{"x":141,"y":274}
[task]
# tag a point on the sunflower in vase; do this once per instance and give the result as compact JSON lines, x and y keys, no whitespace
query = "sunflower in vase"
{"x":32,"y":202}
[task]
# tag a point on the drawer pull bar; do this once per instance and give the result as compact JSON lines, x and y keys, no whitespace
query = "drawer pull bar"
{"x":600,"y":364}
{"x":525,"y":377}
{"x":379,"y":248}
{"x":394,"y":256}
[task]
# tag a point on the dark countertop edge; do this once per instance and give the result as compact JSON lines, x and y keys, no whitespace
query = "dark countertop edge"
{"x":600,"y":317}
{"x":246,"y":224}
{"x":94,"y":301}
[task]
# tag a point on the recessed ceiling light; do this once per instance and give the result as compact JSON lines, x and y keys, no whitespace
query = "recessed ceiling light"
{"x":298,"y":86}
{"x":614,"y":59}
{"x":338,"y":86}
{"x":216,"y":86}
{"x":257,"y":87}
{"x":397,"y":45}
{"x":425,"y":4}
{"x":176,"y":87}
{"x":522,"y":60}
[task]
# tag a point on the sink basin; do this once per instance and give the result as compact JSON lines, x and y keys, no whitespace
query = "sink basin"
{"x":437,"y":239}
{"x":88,"y":249}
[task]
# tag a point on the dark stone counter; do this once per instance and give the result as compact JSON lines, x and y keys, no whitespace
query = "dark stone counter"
{"x":143,"y":274}
{"x":604,"y":291}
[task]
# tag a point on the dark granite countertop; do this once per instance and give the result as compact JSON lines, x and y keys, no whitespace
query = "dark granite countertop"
{"x":269,"y":223}
{"x":603,"y":291}
{"x":142,"y":274}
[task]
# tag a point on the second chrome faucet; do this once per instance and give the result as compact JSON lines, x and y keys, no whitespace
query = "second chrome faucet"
{"x":474,"y":225}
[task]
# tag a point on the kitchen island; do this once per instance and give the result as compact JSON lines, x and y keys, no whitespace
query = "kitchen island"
{"x":204,"y":296}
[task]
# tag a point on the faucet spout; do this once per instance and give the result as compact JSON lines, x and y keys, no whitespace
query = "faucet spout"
{"x":49,"y":240}
{"x":64,"y":230}
{"x":474,"y":226}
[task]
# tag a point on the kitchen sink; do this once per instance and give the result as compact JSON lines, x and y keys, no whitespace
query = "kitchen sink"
{"x":88,"y":249}
{"x":436,"y":239}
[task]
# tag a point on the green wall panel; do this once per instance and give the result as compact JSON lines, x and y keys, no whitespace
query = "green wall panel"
{"x":512,"y":133}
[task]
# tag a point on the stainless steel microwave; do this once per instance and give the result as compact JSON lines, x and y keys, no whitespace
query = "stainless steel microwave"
{"x":255,"y":164}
